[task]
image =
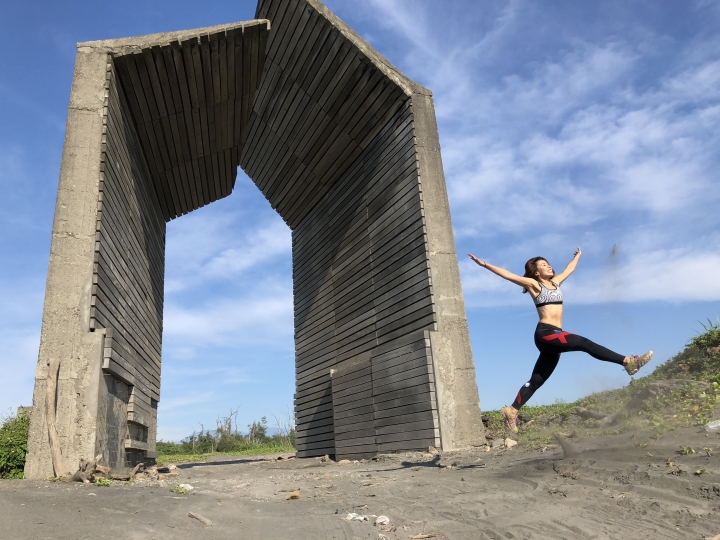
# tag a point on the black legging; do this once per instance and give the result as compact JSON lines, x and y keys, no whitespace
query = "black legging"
{"x":551,"y":341}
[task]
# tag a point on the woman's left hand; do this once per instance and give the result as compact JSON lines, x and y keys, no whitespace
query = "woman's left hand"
{"x":477,"y":261}
{"x":578,"y":252}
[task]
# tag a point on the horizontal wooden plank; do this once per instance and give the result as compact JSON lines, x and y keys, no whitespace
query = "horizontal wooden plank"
{"x":389,"y":424}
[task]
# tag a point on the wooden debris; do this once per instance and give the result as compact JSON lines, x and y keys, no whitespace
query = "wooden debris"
{"x":86,"y":471}
{"x":50,"y":414}
{"x":205,"y":521}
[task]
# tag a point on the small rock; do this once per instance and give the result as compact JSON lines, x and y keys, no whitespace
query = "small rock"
{"x":486,"y":447}
{"x":186,"y":487}
{"x":356,"y":517}
{"x":382,"y":520}
{"x":496,"y":443}
{"x":172,"y":467}
{"x":344,"y":462}
{"x":509,"y":443}
{"x":293,"y":496}
{"x":432,"y":450}
{"x":713,"y":426}
{"x":325,"y":458}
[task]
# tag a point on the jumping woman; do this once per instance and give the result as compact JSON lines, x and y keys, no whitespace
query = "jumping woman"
{"x":544,"y":287}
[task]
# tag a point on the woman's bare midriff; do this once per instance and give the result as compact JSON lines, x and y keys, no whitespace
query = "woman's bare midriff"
{"x":551,"y":314}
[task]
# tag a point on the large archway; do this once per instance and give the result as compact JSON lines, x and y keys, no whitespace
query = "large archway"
{"x":345,"y":148}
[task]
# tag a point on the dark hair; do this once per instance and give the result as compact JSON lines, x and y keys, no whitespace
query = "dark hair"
{"x":531,"y":268}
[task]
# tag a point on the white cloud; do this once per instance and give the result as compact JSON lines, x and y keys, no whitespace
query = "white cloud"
{"x":677,"y":275}
{"x":670,"y":275}
{"x":221,"y":246}
{"x":265,"y":316}
{"x":194,"y":398}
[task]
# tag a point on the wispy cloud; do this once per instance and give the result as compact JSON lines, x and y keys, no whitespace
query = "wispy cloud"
{"x":567,"y":131}
{"x":221,"y":246}
{"x":670,"y":275}
{"x":261,"y":317}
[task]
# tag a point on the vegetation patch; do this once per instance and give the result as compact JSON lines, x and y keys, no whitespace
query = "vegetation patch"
{"x":102,"y":482}
{"x":226,"y":440}
{"x":13,"y":445}
{"x":250,"y":451}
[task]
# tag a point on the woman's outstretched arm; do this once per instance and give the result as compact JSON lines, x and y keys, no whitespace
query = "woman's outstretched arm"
{"x":569,"y":269}
{"x":526,"y":283}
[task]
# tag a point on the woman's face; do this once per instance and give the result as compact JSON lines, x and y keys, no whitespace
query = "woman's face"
{"x":544,"y":270}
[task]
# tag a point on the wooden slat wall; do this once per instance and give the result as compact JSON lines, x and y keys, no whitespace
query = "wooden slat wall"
{"x":320,"y":103}
{"x":353,"y":411}
{"x":362,"y":286}
{"x":190,"y":101}
{"x":174,"y":121}
{"x":406,"y":416}
{"x":387,"y":402}
{"x":331,"y":145}
{"x":127,"y":293}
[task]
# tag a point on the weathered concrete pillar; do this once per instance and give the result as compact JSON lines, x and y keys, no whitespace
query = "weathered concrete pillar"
{"x":65,"y":330}
{"x":457,"y":393}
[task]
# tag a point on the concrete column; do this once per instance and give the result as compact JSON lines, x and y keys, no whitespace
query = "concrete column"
{"x":65,"y":330}
{"x":457,"y":393}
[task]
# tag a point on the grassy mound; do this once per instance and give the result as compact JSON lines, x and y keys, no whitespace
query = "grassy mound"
{"x":684,"y":391}
{"x":13,"y":445}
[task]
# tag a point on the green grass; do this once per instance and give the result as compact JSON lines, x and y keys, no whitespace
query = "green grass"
{"x":249,"y":450}
{"x":693,"y":404}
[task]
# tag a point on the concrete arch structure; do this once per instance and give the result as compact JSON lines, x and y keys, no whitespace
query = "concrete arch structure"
{"x":345,"y":148}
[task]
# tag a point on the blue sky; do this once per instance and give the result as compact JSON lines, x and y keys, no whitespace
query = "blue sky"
{"x":561,"y":123}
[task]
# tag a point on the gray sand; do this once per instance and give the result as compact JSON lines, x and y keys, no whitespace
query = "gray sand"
{"x":615,"y":487}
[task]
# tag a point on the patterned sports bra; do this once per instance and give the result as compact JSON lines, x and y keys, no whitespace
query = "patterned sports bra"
{"x":548,"y":296}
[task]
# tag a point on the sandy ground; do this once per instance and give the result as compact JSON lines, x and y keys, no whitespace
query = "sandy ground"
{"x":617,"y":486}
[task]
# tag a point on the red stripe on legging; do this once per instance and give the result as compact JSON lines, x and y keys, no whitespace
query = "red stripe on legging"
{"x":560,"y":336}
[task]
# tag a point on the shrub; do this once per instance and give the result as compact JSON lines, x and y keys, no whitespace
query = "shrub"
{"x":13,"y":445}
